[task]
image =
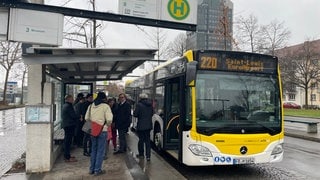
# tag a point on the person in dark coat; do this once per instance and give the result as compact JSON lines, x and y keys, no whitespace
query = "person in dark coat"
{"x":122,"y":122}
{"x":144,"y":113}
{"x":69,"y":121}
{"x":78,"y":138}
{"x":79,"y":97}
{"x":86,"y":136}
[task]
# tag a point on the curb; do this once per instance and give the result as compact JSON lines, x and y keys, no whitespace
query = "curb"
{"x":300,"y":136}
{"x":134,"y":168}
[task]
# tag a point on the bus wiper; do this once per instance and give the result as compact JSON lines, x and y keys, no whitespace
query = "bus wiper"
{"x":215,"y":129}
{"x":207,"y":99}
{"x":265,"y":127}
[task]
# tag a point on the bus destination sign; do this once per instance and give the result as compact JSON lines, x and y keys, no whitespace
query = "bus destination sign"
{"x":244,"y":65}
{"x":232,"y":62}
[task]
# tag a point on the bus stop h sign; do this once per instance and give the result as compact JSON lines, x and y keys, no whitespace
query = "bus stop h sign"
{"x":179,"y":10}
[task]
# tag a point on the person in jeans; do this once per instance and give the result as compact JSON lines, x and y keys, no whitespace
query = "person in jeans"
{"x":100,"y":113}
{"x":86,"y":136}
{"x":122,"y":122}
{"x":69,"y":121}
{"x":144,"y":113}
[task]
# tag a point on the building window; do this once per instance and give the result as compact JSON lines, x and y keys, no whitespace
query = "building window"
{"x":315,"y":62}
{"x":291,"y":87}
{"x":314,"y":85}
{"x":292,"y":97}
{"x":313,"y":97}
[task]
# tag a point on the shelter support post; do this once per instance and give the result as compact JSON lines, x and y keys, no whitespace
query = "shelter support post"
{"x":39,"y":146}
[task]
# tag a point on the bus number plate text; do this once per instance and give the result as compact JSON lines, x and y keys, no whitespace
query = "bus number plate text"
{"x":208,"y":62}
{"x":243,"y":161}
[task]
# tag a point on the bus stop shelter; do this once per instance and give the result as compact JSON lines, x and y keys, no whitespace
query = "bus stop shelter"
{"x":52,"y":67}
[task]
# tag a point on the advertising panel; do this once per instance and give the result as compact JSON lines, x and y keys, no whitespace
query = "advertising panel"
{"x":35,"y":27}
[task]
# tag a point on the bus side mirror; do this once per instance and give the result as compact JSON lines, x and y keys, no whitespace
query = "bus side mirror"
{"x":191,"y":73}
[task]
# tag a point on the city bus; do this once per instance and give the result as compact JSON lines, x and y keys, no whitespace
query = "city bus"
{"x":216,"y":108}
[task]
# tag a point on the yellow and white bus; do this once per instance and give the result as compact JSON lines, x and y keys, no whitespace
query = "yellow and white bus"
{"x":216,"y":108}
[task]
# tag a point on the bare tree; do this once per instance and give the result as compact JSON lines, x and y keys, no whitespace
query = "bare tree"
{"x":18,"y":73}
{"x":275,"y":35}
{"x":11,"y":54}
{"x":300,"y":67}
{"x":85,"y":32}
{"x":249,"y":32}
{"x":157,"y":37}
{"x":178,"y":46}
{"x":223,"y":30}
{"x":114,"y":89}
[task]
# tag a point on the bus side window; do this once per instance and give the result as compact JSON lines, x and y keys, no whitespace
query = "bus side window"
{"x":159,"y":101}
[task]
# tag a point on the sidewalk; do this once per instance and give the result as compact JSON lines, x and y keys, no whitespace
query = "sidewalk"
{"x":115,"y":166}
{"x":123,"y":166}
{"x":118,"y":167}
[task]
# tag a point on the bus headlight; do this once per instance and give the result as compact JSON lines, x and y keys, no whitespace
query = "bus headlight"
{"x":200,"y":150}
{"x":277,"y":150}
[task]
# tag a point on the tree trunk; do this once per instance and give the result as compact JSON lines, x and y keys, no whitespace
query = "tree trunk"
{"x":23,"y":79}
{"x":306,"y":97}
{"x":5,"y":87}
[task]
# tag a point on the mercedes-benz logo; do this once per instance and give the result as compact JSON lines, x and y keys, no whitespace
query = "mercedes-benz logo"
{"x":243,"y":150}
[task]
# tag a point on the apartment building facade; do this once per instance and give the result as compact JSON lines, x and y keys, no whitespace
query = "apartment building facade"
{"x":304,"y":61}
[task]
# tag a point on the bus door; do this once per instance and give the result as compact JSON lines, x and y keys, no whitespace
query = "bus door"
{"x":172,"y":115}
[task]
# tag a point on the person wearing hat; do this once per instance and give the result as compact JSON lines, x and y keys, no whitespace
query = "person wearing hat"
{"x":100,"y":113}
{"x":86,"y":136}
{"x":144,"y":113}
{"x":79,"y":97}
{"x":69,"y":121}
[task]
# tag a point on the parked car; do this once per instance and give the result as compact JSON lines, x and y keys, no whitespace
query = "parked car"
{"x":291,"y":105}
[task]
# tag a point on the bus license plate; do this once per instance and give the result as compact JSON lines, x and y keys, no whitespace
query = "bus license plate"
{"x":243,"y":161}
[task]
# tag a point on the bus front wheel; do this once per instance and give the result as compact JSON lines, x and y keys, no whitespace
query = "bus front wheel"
{"x":157,"y":139}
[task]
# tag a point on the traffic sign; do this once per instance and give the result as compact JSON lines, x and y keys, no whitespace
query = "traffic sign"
{"x":178,"y":9}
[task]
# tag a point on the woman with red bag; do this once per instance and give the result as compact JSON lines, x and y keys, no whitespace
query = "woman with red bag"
{"x":98,"y":113}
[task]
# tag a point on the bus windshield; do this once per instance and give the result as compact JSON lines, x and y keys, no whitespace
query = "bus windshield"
{"x":238,"y":103}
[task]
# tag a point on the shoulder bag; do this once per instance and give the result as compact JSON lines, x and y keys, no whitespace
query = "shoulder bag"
{"x":87,"y":125}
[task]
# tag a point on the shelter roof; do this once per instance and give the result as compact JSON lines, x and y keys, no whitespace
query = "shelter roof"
{"x":76,"y":65}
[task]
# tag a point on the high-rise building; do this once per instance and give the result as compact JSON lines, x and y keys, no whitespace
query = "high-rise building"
{"x":214,"y":26}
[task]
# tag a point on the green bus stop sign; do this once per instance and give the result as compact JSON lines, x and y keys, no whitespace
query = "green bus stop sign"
{"x":178,"y":9}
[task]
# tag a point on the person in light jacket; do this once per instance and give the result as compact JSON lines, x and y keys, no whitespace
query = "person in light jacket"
{"x":100,"y":113}
{"x":144,"y":113}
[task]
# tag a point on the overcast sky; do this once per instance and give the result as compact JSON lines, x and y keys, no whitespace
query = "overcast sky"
{"x":301,"y":17}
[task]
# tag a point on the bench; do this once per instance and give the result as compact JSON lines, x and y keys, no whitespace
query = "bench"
{"x":58,"y":136}
{"x":312,"y":125}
